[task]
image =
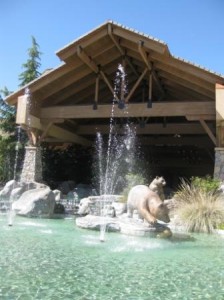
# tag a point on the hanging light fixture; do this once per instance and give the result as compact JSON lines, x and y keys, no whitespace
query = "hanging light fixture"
{"x":95,"y":107}
{"x":121,"y":104}
{"x":149,"y":103}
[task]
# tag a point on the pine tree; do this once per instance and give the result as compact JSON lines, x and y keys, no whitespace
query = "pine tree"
{"x":7,"y":113}
{"x":32,"y":65}
{"x":8,"y":132}
{"x":7,"y":137}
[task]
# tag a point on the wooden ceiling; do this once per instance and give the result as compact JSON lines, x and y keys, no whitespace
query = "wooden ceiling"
{"x":87,"y":74}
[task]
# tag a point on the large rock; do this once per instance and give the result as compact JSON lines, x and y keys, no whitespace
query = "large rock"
{"x":35,"y":203}
{"x":14,"y":189}
{"x":9,"y":186}
{"x":17,"y":192}
{"x":124,"y":225}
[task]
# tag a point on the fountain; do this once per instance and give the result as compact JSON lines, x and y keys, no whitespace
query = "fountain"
{"x":115,"y":159}
{"x":53,"y":259}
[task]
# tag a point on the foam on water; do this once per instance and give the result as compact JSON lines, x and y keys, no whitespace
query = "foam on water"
{"x":47,"y":231}
{"x":34,"y":224}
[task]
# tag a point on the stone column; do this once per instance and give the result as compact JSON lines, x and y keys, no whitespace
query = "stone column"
{"x":32,"y":165}
{"x":219,"y":150}
{"x":219,"y":164}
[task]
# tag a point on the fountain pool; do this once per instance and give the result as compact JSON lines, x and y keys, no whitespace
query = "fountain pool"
{"x":53,"y":259}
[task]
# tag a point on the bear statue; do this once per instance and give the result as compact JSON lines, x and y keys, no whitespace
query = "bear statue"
{"x":157,"y":186}
{"x":148,"y":204}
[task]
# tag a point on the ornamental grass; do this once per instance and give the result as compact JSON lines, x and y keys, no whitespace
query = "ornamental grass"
{"x":198,"y":209}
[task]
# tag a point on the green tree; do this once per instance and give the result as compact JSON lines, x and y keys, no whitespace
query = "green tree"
{"x":7,"y":136}
{"x":7,"y":113}
{"x":8,"y":130}
{"x":32,"y":65}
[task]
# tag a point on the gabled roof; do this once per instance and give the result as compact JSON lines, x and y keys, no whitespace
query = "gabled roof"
{"x":100,"y":51}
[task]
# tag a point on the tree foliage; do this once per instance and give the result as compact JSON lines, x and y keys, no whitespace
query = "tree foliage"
{"x":8,"y":131}
{"x":7,"y":136}
{"x":7,"y":113}
{"x":32,"y":65}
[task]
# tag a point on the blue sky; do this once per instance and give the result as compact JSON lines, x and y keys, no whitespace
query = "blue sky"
{"x":193,"y":29}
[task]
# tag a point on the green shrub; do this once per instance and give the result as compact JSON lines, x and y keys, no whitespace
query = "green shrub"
{"x":201,"y":209}
{"x":221,"y":226}
{"x":207,"y":184}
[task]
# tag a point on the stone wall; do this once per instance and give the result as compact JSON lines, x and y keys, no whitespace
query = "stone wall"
{"x":32,"y":166}
{"x":219,"y":164}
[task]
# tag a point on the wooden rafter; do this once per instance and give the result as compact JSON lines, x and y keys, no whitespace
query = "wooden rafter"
{"x":120,"y":49}
{"x":67,"y":52}
{"x":136,"y":85}
{"x":45,"y":132}
{"x":135,"y":37}
{"x":93,"y":66}
{"x":189,"y":69}
{"x":182,"y":83}
{"x":208,"y":131}
{"x":176,"y":74}
{"x":149,"y":65}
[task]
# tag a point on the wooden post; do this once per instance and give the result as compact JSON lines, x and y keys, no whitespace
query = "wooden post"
{"x":96,"y":92}
{"x":149,"y":105}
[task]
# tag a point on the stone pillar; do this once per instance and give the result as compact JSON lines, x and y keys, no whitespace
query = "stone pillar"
{"x":32,"y":165}
{"x":219,"y":150}
{"x":219,"y":164}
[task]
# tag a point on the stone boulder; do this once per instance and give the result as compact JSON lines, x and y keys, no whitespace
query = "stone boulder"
{"x":35,"y":203}
{"x":84,"y":206}
{"x":124,"y":225}
{"x":6,"y":191}
{"x":17,"y":192}
{"x":14,"y":189}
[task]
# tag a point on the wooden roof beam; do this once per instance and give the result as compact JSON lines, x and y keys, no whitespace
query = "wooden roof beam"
{"x":209,"y":117}
{"x":45,"y":125}
{"x":160,"y":109}
{"x":120,"y":49}
{"x":66,"y":135}
{"x":152,"y":129}
{"x":149,"y":65}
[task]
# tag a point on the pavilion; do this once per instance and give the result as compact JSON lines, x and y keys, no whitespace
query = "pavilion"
{"x":177,"y":106}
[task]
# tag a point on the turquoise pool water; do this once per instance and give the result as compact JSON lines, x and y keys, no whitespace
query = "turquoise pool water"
{"x":53,"y":259}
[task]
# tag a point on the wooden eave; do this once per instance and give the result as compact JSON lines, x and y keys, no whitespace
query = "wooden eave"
{"x":103,"y":48}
